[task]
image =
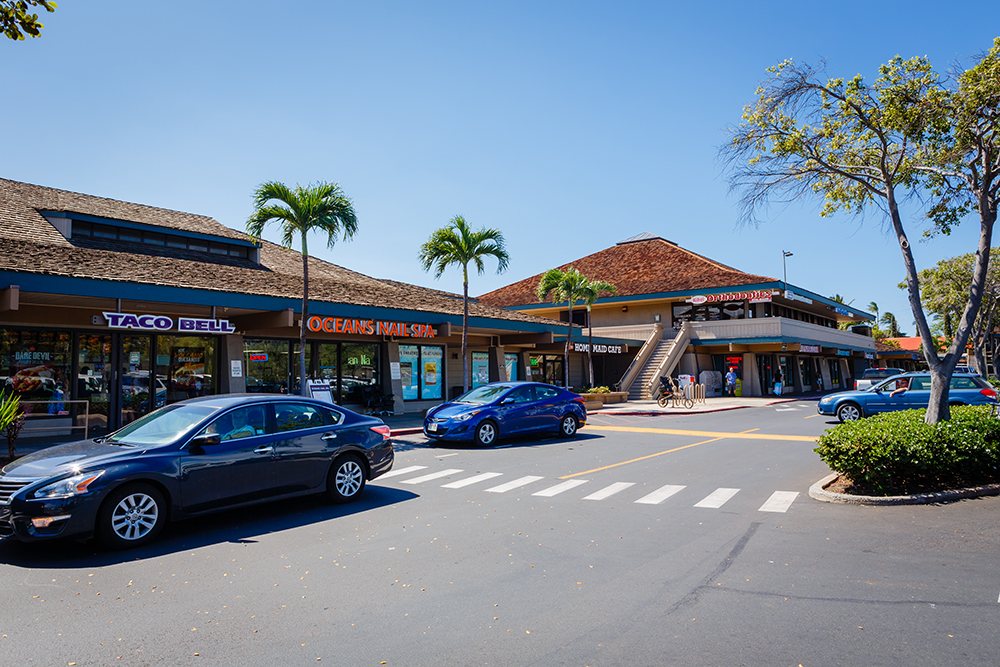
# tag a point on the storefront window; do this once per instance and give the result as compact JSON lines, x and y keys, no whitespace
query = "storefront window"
{"x":806,"y":367}
{"x":787,"y":379}
{"x":93,"y":382}
{"x":327,"y":370}
{"x":37,"y":366}
{"x":480,"y":369}
{"x":184,"y":368}
{"x":834,"y":372}
{"x":360,"y":367}
{"x":409,"y":362}
{"x":266,"y":365}
{"x":293,"y":363}
{"x":510,"y":360}
{"x":431,"y":377}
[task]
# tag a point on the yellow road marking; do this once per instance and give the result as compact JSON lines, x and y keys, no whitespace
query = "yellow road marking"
{"x":641,"y":458}
{"x":811,"y":416}
{"x":746,"y":435}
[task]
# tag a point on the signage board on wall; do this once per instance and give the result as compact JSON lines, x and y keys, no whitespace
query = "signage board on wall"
{"x":164,"y":323}
{"x":347,"y":325}
{"x":814,"y":349}
{"x":792,"y":296}
{"x":599,"y":348}
{"x":753,"y":296}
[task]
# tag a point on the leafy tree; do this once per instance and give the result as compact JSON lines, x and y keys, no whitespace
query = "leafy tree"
{"x":943,"y":291}
{"x":862,"y":146}
{"x":15,"y":20}
{"x":592,"y":290}
{"x":316,"y":208}
{"x":873,"y":308}
{"x":457,"y":244}
{"x":569,"y":286}
{"x":892,"y":326}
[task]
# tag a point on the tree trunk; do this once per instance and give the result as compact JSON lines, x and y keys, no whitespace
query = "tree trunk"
{"x":305,"y":315}
{"x":590,"y":346}
{"x":569,"y":335}
{"x":465,"y":329}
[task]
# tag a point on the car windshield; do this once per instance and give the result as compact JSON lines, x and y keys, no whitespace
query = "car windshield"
{"x":162,"y":426}
{"x":483,"y":395}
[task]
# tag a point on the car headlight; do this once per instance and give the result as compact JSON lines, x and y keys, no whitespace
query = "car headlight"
{"x":466,"y":416}
{"x":71,"y":486}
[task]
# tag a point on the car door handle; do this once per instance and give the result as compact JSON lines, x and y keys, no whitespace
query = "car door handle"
{"x":267,"y":449}
{"x":329,"y":436}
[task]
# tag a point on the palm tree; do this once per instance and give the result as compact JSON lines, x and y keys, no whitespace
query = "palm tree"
{"x":458,"y":244}
{"x":592,"y":289}
{"x":322,"y":208}
{"x":568,"y":286}
{"x":873,"y":307}
{"x":889,"y":320}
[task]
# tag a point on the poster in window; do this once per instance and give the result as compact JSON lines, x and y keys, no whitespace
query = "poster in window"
{"x":432,"y":380}
{"x":187,"y":368}
{"x":409,"y":360}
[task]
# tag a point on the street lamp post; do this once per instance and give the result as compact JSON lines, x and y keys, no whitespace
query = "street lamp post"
{"x":784,"y":271}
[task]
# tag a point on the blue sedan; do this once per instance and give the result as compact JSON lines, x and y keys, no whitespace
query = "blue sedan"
{"x":965,"y":389}
{"x":502,"y":409}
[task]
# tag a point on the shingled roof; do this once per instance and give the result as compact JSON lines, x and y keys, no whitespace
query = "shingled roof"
{"x":643,"y":264}
{"x":30,"y":244}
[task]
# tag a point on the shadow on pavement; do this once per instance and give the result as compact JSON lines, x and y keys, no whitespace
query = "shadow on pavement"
{"x":236,"y":526}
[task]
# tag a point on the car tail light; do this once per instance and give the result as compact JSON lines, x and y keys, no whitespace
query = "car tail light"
{"x":579,"y":399}
{"x":991,"y":393}
{"x":384,"y":430}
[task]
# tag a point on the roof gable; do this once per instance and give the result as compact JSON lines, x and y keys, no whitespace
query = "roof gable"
{"x":643,"y":264}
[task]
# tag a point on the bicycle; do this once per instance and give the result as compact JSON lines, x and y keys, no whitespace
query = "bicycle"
{"x":672,"y":393}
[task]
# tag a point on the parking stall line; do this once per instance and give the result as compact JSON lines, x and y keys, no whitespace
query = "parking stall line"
{"x":400,"y":471}
{"x":433,"y":475}
{"x":779,"y":501}
{"x":471,"y":480}
{"x":717,"y":498}
{"x":514,"y":484}
{"x":658,"y":496}
{"x":559,"y":488}
{"x":609,"y":491}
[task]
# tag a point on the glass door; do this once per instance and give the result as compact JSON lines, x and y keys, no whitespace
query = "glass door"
{"x":93,"y":380}
{"x":136,"y":377}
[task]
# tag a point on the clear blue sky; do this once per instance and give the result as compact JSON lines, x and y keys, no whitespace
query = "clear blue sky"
{"x":568,"y":125}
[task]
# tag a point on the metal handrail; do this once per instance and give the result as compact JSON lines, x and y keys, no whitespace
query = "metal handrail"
{"x":640,"y":359}
{"x":86,"y":416}
{"x":673,"y":356}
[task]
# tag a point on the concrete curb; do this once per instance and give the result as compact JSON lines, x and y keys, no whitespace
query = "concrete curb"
{"x":819,"y":492}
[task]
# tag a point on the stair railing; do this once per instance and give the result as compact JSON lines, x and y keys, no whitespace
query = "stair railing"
{"x":673,"y":356}
{"x":640,"y":359}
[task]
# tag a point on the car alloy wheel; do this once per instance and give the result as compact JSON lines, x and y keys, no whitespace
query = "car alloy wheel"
{"x":347,"y":479}
{"x":567,"y":428}
{"x":848,"y":412}
{"x":486,"y":434}
{"x":131,"y":516}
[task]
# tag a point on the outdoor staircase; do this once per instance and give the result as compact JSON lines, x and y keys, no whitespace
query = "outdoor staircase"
{"x":640,"y":391}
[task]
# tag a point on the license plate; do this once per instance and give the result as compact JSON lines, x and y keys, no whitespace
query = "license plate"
{"x":432,"y":427}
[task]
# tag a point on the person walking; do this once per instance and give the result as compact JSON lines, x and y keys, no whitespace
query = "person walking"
{"x":731,"y":382}
{"x":777,"y":383}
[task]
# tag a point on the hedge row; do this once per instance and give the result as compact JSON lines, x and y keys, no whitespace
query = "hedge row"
{"x":896,"y":452}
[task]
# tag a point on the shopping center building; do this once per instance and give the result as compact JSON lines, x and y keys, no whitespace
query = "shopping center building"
{"x":699,"y":318}
{"x":112,"y":309}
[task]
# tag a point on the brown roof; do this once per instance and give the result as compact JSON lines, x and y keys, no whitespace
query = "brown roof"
{"x":646,"y":264}
{"x":30,"y":244}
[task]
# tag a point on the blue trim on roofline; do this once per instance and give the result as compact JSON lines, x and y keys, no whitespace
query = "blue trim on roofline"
{"x":112,"y":289}
{"x":159,"y":229}
{"x":777,"y":284}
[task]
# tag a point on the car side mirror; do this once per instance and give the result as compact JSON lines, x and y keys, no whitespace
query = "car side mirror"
{"x":204,"y":440}
{"x":507,"y":401}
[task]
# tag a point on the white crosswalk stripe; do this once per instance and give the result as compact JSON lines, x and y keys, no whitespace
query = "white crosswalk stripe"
{"x":468,"y":481}
{"x":609,"y":491}
{"x":559,"y":488}
{"x":779,"y":501}
{"x":717,"y":498}
{"x":400,"y":471}
{"x":429,"y":477}
{"x":517,"y":483}
{"x":658,"y":496}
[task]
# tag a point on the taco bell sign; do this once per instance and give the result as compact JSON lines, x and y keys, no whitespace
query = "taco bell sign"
{"x":164,"y":323}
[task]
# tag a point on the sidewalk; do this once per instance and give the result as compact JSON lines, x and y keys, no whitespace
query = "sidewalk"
{"x":413,"y":423}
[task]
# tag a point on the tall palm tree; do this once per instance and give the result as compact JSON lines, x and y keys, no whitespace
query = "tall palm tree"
{"x":592,"y":289}
{"x":457,"y":244}
{"x":321,"y":208}
{"x":565,"y":286}
{"x":873,"y":307}
{"x":889,"y":320}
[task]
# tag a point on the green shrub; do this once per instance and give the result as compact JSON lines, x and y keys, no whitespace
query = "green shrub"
{"x":896,"y":452}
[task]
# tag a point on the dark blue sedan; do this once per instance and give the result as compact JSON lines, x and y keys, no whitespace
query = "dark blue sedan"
{"x":502,"y":409}
{"x":907,"y":391}
{"x":190,"y":458}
